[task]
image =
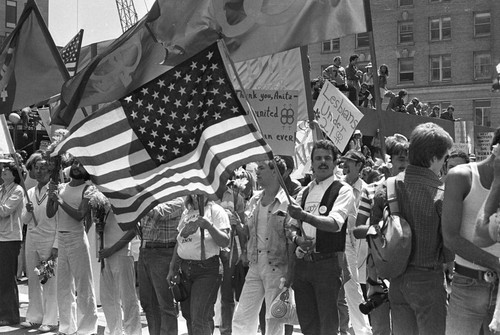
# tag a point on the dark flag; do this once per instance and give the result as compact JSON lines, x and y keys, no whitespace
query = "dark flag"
{"x":181,"y":133}
{"x":31,"y":67}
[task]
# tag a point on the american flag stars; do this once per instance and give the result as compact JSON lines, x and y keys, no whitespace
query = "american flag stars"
{"x":195,"y":95}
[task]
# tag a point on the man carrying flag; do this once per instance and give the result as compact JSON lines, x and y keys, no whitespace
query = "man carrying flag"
{"x":184,"y":131}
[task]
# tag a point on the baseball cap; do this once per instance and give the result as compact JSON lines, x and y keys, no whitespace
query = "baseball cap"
{"x":358,"y":132}
{"x":354,"y":155}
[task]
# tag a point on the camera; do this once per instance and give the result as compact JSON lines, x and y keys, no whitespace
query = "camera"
{"x":373,"y":302}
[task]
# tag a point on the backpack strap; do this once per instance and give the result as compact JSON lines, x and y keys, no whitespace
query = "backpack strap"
{"x":392,"y":199}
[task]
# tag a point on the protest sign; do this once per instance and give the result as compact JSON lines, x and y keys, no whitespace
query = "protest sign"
{"x":276,"y":112}
{"x":337,"y":116}
{"x":483,"y":143}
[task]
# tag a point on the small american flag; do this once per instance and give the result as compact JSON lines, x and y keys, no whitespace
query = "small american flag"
{"x":71,"y":53}
{"x":181,"y":133}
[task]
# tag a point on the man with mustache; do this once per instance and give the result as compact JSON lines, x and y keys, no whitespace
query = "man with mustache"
{"x":74,"y":271}
{"x":321,"y":210}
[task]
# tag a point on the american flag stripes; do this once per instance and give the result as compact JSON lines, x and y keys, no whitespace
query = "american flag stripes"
{"x":71,"y":53}
{"x":181,"y":133}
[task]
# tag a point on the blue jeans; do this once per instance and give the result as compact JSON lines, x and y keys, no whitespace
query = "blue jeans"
{"x":418,"y":302}
{"x":472,"y":304}
{"x":203,"y":280}
{"x":317,"y":286}
{"x":155,"y":295}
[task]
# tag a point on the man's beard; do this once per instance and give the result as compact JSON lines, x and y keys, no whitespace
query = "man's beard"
{"x":78,"y":175}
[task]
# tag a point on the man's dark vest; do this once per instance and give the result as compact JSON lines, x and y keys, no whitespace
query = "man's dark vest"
{"x":326,"y":241}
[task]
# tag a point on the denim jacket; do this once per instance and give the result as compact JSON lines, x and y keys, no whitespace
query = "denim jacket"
{"x":276,"y":240}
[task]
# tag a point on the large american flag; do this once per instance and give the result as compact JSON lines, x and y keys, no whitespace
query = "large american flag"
{"x":181,"y":133}
{"x":71,"y":53}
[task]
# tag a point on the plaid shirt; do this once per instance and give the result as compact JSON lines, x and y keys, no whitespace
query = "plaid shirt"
{"x":420,"y":199}
{"x":160,"y":224}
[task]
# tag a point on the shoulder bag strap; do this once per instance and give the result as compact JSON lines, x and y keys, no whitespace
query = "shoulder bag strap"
{"x":392,"y":199}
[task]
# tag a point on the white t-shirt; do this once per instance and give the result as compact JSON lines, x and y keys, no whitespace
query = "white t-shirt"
{"x":113,"y":233}
{"x":190,"y":247}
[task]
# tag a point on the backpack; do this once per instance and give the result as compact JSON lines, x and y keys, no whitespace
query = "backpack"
{"x":390,"y":240}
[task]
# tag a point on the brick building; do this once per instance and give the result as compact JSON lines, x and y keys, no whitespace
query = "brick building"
{"x":441,"y":51}
{"x":10,"y":12}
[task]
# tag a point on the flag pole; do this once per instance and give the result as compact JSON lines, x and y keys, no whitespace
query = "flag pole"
{"x":12,"y":151}
{"x":222,"y":45}
{"x":376,"y":86}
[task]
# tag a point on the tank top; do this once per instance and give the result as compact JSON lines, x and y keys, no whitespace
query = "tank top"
{"x":472,"y":204}
{"x":72,"y":196}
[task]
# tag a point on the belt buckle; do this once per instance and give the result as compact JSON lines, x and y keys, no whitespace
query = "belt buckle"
{"x":489,"y":276}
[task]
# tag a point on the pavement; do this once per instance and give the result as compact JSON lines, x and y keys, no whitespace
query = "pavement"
{"x":23,"y":302}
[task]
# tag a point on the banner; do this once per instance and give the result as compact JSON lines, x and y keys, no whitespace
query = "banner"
{"x":337,"y":116}
{"x":303,"y":148}
{"x":276,"y":112}
{"x":483,"y":144}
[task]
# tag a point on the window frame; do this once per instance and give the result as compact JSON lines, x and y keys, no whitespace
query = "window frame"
{"x":476,"y":15}
{"x":486,"y":72}
{"x":440,"y":20}
{"x":331,"y":43}
{"x":400,"y":34}
{"x":441,"y":68}
{"x":400,"y":73}
{"x":483,"y":110}
{"x":363,"y":37}
{"x":10,"y":13}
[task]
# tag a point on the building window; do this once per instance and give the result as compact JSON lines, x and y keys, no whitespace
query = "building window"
{"x":331,"y":46}
{"x":482,"y":24}
{"x":440,"y":29}
{"x":11,"y":14}
{"x":443,"y":105}
{"x":440,"y":68}
{"x":405,"y":70}
{"x":482,"y":65}
{"x":403,"y":3}
{"x":405,"y":30}
{"x":439,"y":0}
{"x":362,"y":40}
{"x":482,"y":112}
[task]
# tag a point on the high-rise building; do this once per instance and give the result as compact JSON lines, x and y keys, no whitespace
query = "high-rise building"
{"x":443,"y":52}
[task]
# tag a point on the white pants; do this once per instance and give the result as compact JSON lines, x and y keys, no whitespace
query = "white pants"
{"x":74,"y":274}
{"x":353,"y":292}
{"x":42,"y":298}
{"x":262,"y":281}
{"x":117,"y":293}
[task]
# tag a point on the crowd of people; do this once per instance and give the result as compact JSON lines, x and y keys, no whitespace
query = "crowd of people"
{"x":360,"y":89}
{"x":267,"y":230}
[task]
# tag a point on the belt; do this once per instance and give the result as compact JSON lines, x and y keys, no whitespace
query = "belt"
{"x":317,"y":256}
{"x":473,"y":273}
{"x":158,"y":245}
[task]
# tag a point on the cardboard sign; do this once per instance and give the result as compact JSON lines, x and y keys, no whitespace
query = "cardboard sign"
{"x":337,"y":116}
{"x":276,"y":112}
{"x":483,"y":143}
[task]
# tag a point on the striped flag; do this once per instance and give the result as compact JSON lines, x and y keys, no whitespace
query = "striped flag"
{"x":181,"y":133}
{"x":71,"y":53}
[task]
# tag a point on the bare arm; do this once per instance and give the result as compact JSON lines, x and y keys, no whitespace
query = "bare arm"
{"x":458,"y":183}
{"x":120,"y":244}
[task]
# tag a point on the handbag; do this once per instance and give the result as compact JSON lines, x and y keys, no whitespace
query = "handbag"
{"x":390,"y":240}
{"x":179,"y":287}
{"x":283,"y":307}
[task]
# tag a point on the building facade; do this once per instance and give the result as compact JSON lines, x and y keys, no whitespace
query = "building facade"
{"x":443,"y":52}
{"x":10,"y":12}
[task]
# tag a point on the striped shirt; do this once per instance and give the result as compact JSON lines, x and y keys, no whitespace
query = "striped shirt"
{"x":367,"y":194}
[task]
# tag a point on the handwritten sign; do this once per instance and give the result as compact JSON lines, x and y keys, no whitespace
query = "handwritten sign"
{"x":337,"y":116}
{"x":483,"y":143}
{"x":276,"y":112}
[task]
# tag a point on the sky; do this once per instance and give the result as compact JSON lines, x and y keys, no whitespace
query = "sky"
{"x":98,"y":18}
